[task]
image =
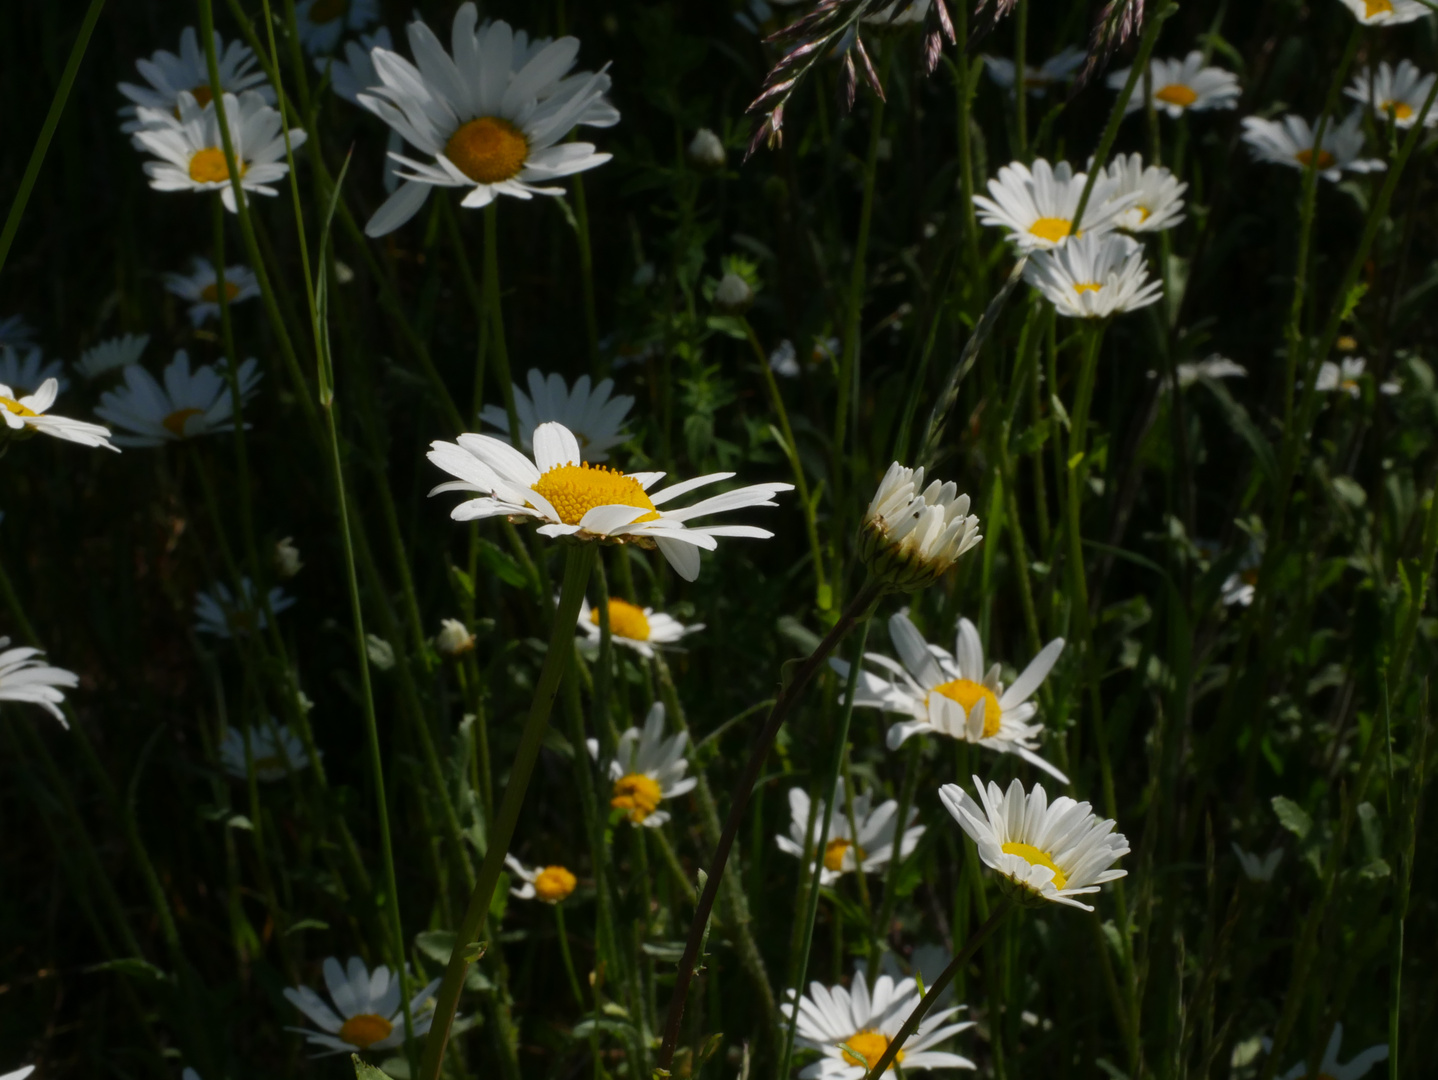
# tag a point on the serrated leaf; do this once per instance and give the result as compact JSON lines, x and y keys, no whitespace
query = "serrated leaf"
{"x":365,"y":1071}
{"x":1292,"y":816}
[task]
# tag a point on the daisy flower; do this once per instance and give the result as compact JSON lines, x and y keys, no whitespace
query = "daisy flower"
{"x":647,"y":769}
{"x":1329,"y":1069}
{"x":275,"y":750}
{"x":1386,"y":12}
{"x":1210,"y":367}
{"x":169,"y":76}
{"x":549,"y":884}
{"x":110,"y":354}
{"x":187,"y":406}
{"x":1345,"y":375}
{"x":24,"y":676}
{"x":596,"y":419}
{"x":29,"y":373}
{"x":955,"y":694}
{"x":366,"y":1014}
{"x":642,"y":629}
{"x":1037,"y":205}
{"x":218,"y":613}
{"x":321,"y":23}
{"x":868,"y":846}
{"x":1055,"y":852}
{"x":1094,"y":277}
{"x":1158,"y":195}
{"x":784,"y":360}
{"x":1240,"y":587}
{"x":1037,"y":80}
{"x":453,"y":639}
{"x":1398,"y":94}
{"x":16,"y":332}
{"x":911,"y":535}
{"x":202,"y":291}
{"x":492,"y":116}
{"x":1180,"y":86}
{"x":192,"y":153}
{"x":1257,"y":868}
{"x":354,"y":74}
{"x":591,"y":503}
{"x":27,"y":413}
{"x":1290,"y":142}
{"x":852,"y":1028}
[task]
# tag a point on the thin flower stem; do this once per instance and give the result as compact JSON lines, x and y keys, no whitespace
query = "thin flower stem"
{"x":586,"y":274}
{"x":563,"y":935}
{"x":676,"y":869}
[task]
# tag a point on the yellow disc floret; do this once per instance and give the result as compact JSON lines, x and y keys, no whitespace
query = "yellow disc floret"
{"x":835,"y":850}
{"x":208,"y":166}
{"x":574,"y":490}
{"x":1052,"y":229}
{"x":637,"y":793}
{"x":1082,"y":287}
{"x":1176,"y":94}
{"x":488,"y":150}
{"x":16,"y":408}
{"x":870,"y":1044}
{"x":1373,"y":8}
{"x":1305,"y":157}
{"x":625,"y":620}
{"x":211,"y":292}
{"x":1034,"y":857}
{"x":969,"y":693}
{"x":175,"y":422}
{"x":365,"y":1030}
{"x":553,"y":884}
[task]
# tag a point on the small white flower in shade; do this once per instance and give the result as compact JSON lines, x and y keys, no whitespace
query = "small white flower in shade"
{"x":1054,"y":851}
{"x":1240,"y":587}
{"x":911,"y":534}
{"x":596,"y":419}
{"x":784,"y":360}
{"x":955,"y":694}
{"x":453,"y":639}
{"x":1037,"y":80}
{"x":1328,"y":1068}
{"x":1038,"y":205}
{"x":1346,"y":377}
{"x":1386,"y":13}
{"x":647,"y":769}
{"x":866,"y":843}
{"x":112,"y":354}
{"x":1159,"y":202}
{"x":1210,"y":367}
{"x":16,"y":332}
{"x":28,"y":373}
{"x":1180,"y":86}
{"x":733,"y":294}
{"x":573,"y":498}
{"x":27,"y":413}
{"x":706,"y":151}
{"x":1396,"y":95}
{"x":1289,"y":141}
{"x":274,"y":750}
{"x":1094,"y":277}
{"x":287,"y":558}
{"x":217,"y":612}
{"x":200,"y":288}
{"x":549,"y":884}
{"x":322,"y":23}
{"x":353,"y":75}
{"x":642,"y":629}
{"x":188,"y":405}
{"x":24,"y":676}
{"x":367,"y":1013}
{"x":852,"y":1028}
{"x":192,"y":154}
{"x":170,"y":75}
{"x":1258,"y":868}
{"x":188,"y":1074}
{"x":379,"y":651}
{"x":493,"y":114}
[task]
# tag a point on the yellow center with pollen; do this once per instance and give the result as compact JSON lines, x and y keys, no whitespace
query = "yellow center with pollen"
{"x":574,"y":490}
{"x":968,"y":694}
{"x":365,"y":1030}
{"x":625,"y":620}
{"x":1034,"y":857}
{"x":323,"y":11}
{"x":208,"y":166}
{"x":211,"y":292}
{"x":1377,"y":7}
{"x":871,"y":1045}
{"x":1176,"y":94}
{"x":175,"y":422}
{"x":1052,"y":229}
{"x":637,"y":793}
{"x":553,"y":884}
{"x":1082,"y":287}
{"x":1305,"y":157}
{"x":16,"y":408}
{"x":1401,"y":110}
{"x":835,"y":850}
{"x":488,"y":150}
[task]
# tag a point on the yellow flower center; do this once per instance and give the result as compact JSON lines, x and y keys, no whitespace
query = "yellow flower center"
{"x":1377,"y":7}
{"x":488,"y":150}
{"x":1035,"y":857}
{"x":625,"y":620}
{"x":175,"y":422}
{"x":323,"y":11}
{"x":365,"y":1030}
{"x":871,"y":1045}
{"x":637,"y":793}
{"x":1082,"y":287}
{"x":553,"y":884}
{"x":574,"y":490}
{"x":835,"y":850}
{"x":969,"y":693}
{"x":208,"y":166}
{"x":1348,"y":384}
{"x":1401,"y":110}
{"x":202,"y":94}
{"x":211,"y":292}
{"x":16,"y":408}
{"x":1052,"y":229}
{"x":1176,"y":94}
{"x":1304,"y":157}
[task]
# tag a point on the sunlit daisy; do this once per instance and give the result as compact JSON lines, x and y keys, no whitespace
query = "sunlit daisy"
{"x":867,"y":845}
{"x":188,"y":405}
{"x":1037,"y":205}
{"x":647,"y":769}
{"x":24,"y":676}
{"x":28,"y":373}
{"x":493,"y":116}
{"x":596,"y":419}
{"x":26,"y":413}
{"x":642,"y":629}
{"x":1094,"y":277}
{"x":573,"y":498}
{"x":169,"y":76}
{"x":1398,"y":95}
{"x":852,"y":1028}
{"x":1258,"y":868}
{"x":112,"y":354}
{"x":322,"y":23}
{"x":275,"y":752}
{"x":1037,"y":80}
{"x":1054,"y":851}
{"x":550,"y":884}
{"x":367,"y":1013}
{"x":1159,"y":201}
{"x":192,"y":153}
{"x":911,"y":534}
{"x":1386,"y":12}
{"x":1289,"y":141}
{"x":217,"y":611}
{"x":1180,"y":86}
{"x":202,"y":291}
{"x":1329,"y":1069}
{"x":16,"y":332}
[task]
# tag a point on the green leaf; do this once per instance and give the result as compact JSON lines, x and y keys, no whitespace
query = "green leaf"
{"x":1350,"y":301}
{"x":1375,"y":870}
{"x":668,"y":952}
{"x":307,"y":924}
{"x":1372,"y":828}
{"x":365,"y":1071}
{"x":1292,"y":816}
{"x":1349,"y":490}
{"x":498,"y":563}
{"x":435,"y":944}
{"x":132,"y":966}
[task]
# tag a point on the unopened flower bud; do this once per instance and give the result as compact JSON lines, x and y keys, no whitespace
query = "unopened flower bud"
{"x":381,"y":652}
{"x":911,"y":534}
{"x":453,"y":639}
{"x":706,"y":151}
{"x":733,"y":294}
{"x":287,"y":559}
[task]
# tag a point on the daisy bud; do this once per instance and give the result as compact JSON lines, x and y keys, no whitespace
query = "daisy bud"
{"x":453,"y":639}
{"x":733,"y":294}
{"x":706,"y":151}
{"x":911,"y":535}
{"x":381,"y":652}
{"x":287,"y":558}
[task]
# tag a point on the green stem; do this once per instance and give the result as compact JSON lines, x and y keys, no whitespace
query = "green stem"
{"x":496,"y":319}
{"x":586,"y":274}
{"x":563,"y":936}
